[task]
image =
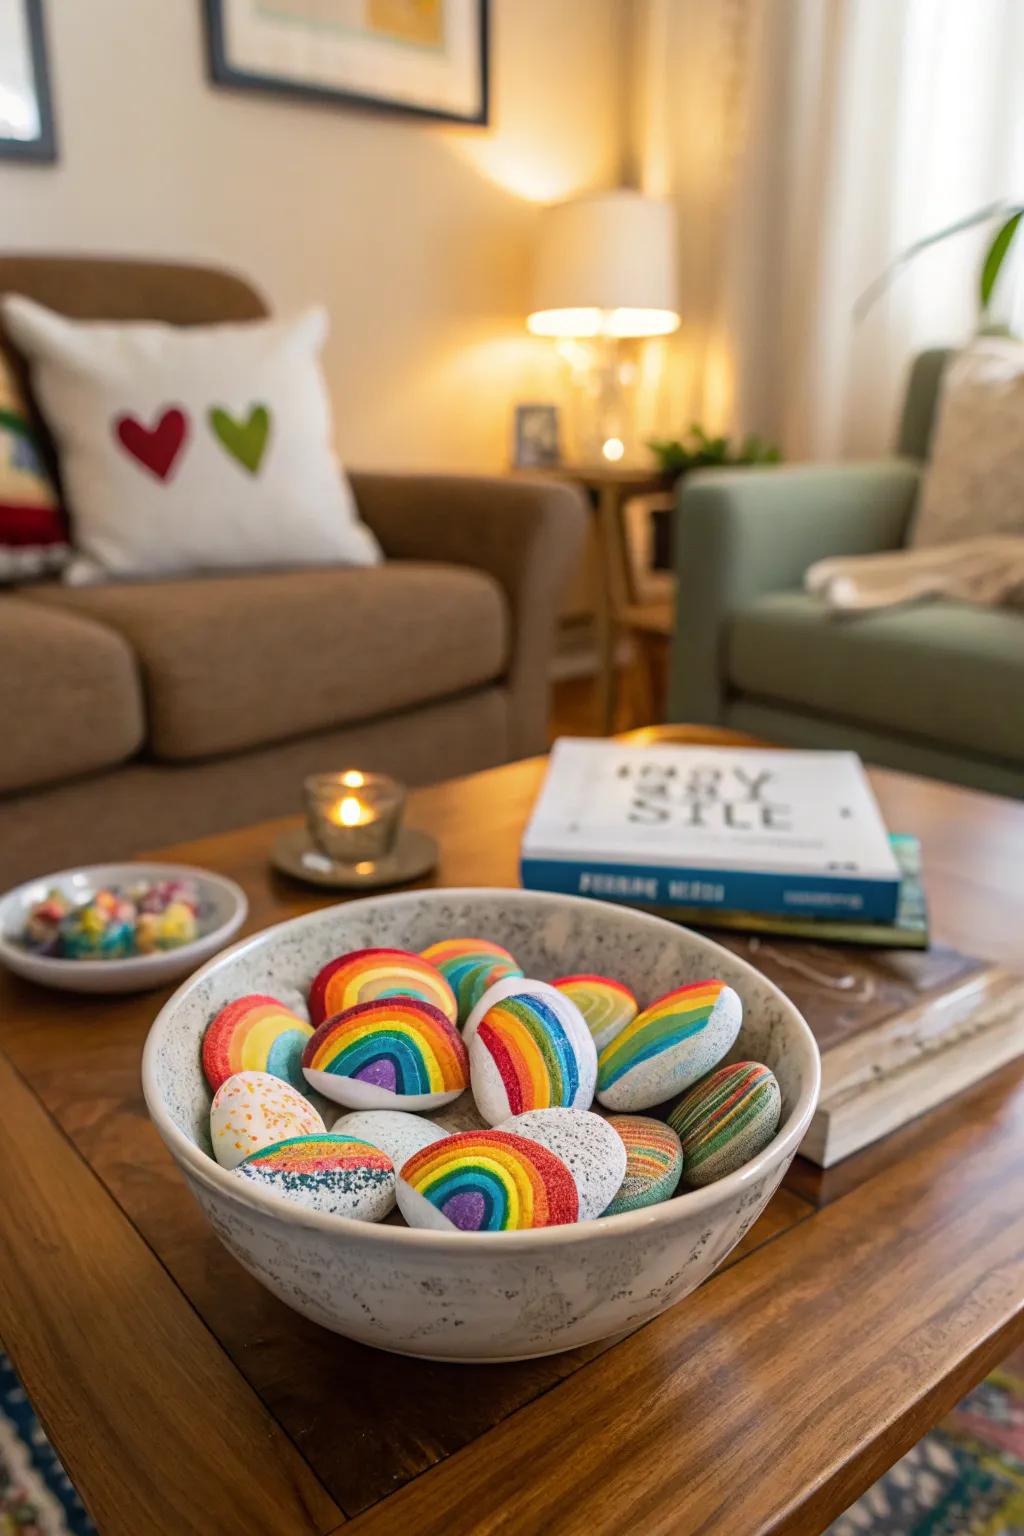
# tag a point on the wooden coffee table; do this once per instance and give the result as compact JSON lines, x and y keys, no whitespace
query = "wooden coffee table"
{"x":186,"y":1401}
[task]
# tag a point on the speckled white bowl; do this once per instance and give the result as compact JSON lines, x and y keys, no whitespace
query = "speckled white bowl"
{"x":479,"y":1296}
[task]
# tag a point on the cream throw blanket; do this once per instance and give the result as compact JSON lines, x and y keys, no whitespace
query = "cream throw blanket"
{"x":987,"y":570}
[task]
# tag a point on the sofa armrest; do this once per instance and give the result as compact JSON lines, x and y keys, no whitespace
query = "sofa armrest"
{"x":741,"y":533}
{"x":525,"y":533}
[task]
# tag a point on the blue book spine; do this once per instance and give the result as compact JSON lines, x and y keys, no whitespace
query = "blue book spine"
{"x":835,"y":896}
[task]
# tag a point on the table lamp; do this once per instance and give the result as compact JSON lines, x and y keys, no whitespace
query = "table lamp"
{"x":605,"y":274}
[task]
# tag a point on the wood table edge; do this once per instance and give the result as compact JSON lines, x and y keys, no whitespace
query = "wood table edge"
{"x":297,"y":1498}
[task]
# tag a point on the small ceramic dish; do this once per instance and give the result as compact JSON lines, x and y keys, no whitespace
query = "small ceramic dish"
{"x":222,"y":911}
{"x":478,"y":1295}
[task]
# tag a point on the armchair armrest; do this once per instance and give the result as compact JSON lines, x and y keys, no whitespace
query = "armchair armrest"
{"x":525,"y":533}
{"x":741,"y":533}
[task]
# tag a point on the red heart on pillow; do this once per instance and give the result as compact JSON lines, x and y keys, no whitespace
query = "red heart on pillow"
{"x":156,"y":448}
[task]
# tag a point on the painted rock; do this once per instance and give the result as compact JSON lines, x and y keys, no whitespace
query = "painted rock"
{"x":486,"y":1181}
{"x":253,"y":1110}
{"x":654,"y":1162}
{"x":394,"y":1131}
{"x":530,"y":1048}
{"x":470,"y":966}
{"x":668,"y":1046}
{"x":333,"y":1175}
{"x":587,"y":1145}
{"x":255,"y":1034}
{"x":396,"y":1053}
{"x":607,"y":1005}
{"x":368,"y":974}
{"x":726,"y":1120}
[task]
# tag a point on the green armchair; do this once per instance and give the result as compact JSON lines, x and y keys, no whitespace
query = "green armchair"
{"x":936,"y":689}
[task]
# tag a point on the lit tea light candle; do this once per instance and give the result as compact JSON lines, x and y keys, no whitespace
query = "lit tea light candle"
{"x":354,"y":817}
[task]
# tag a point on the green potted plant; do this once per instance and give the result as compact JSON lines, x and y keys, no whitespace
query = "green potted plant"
{"x":1004,"y":239}
{"x":697,"y":449}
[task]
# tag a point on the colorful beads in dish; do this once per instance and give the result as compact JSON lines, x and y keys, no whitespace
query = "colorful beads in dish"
{"x":395,"y":1053}
{"x":654,"y":1162}
{"x":668,"y":1046}
{"x":470,"y":966}
{"x":607,"y":1005}
{"x":332,"y":1175}
{"x":726,"y":1120}
{"x":487,"y":1181}
{"x":255,"y":1034}
{"x":368,"y":974}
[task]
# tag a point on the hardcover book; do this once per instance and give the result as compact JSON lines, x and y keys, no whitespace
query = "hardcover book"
{"x":898,"y":1033}
{"x":766,"y":830}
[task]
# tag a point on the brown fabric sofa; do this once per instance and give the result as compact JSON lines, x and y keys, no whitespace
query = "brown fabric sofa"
{"x":137,"y":713}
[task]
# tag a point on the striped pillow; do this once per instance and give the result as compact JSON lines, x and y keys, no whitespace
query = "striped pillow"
{"x":33,"y":531}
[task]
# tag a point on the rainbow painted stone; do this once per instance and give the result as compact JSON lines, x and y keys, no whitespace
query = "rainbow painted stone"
{"x":530,"y":1048}
{"x":255,"y":1034}
{"x":668,"y":1046}
{"x":333,"y":1175}
{"x":470,"y":966}
{"x":253,"y":1110}
{"x":486,"y":1181}
{"x":654,"y":1162}
{"x":587,"y":1145}
{"x":726,"y":1120}
{"x":395,"y":1053}
{"x":607,"y":1005}
{"x":368,"y":974}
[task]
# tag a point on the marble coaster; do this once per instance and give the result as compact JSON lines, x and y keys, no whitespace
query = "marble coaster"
{"x":295,"y":854}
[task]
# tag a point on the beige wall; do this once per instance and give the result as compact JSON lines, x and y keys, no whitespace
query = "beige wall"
{"x":416,"y":235}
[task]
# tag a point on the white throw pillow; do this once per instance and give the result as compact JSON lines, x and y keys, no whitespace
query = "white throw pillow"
{"x":192,"y":448}
{"x":974,"y":483}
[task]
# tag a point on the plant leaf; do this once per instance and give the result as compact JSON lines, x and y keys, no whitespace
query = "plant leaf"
{"x":996,"y":255}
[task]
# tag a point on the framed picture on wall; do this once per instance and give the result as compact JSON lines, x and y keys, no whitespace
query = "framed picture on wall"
{"x":428,"y":57}
{"x":26,"y":115}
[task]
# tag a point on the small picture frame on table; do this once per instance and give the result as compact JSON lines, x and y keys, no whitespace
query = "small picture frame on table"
{"x":536,"y":443}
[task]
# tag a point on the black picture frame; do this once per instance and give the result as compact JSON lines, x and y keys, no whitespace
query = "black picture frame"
{"x":223,"y":72}
{"x":43,"y":148}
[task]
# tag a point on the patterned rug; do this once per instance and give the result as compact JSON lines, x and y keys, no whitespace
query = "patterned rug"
{"x":964,"y":1479}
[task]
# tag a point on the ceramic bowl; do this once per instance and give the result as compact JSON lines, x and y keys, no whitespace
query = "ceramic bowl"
{"x":223,"y":907}
{"x":478,"y":1296}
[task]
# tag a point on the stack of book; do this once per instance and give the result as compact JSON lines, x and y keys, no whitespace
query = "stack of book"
{"x":789,"y":851}
{"x":763,"y":840}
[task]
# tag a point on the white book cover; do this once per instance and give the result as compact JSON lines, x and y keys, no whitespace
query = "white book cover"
{"x":800,"y":815}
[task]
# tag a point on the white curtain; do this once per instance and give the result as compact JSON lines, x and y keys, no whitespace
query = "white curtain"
{"x":806,"y":142}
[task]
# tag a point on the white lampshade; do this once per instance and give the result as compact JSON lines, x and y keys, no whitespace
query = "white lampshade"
{"x":606,"y":266}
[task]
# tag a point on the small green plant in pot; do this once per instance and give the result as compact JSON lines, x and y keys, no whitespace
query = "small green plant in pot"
{"x":697,"y":449}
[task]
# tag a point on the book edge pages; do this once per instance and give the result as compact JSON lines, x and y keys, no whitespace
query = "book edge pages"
{"x":858,"y":1115}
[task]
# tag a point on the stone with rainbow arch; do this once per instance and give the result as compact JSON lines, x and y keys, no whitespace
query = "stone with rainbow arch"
{"x":393,"y":1053}
{"x":364,"y":975}
{"x":486,"y":1181}
{"x":668,"y":1046}
{"x":256,"y":1033}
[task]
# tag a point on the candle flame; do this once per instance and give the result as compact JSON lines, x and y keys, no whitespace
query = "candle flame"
{"x":351,"y":811}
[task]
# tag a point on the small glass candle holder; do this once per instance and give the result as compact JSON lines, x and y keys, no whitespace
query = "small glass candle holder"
{"x":354,"y":817}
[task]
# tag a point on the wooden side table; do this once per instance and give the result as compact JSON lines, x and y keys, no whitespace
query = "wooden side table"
{"x":608,"y":488}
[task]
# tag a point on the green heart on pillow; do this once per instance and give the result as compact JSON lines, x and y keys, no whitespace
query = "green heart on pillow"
{"x":246,"y":441}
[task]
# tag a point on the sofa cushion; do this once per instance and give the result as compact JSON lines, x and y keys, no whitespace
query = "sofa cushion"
{"x":70,"y":697}
{"x":943,"y":671}
{"x":235,"y":662}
